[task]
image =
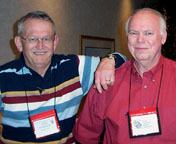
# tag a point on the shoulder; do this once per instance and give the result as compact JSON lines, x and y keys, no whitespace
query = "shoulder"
{"x":126,"y":66}
{"x":63,"y":56}
{"x":169,"y":68}
{"x":15,"y":64}
{"x":122,"y":74}
{"x":120,"y":56}
{"x":79,"y":59}
{"x":169,"y":64}
{"x":88,"y":58}
{"x":88,"y":61}
{"x":65,"y":59}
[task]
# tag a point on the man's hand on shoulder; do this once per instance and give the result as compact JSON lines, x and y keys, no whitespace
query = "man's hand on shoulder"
{"x":105,"y":74}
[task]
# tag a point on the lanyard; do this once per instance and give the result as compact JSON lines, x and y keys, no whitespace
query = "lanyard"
{"x":52,"y":81}
{"x":129,"y":96}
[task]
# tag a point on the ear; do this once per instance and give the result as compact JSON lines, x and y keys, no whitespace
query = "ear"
{"x":18,"y":43}
{"x":164,"y":37}
{"x":56,"y":41}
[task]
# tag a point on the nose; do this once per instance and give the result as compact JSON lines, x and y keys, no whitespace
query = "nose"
{"x":40,"y":43}
{"x":141,"y":38}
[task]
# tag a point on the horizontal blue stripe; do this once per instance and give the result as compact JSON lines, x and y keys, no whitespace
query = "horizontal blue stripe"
{"x":20,"y":118}
{"x":22,"y":71}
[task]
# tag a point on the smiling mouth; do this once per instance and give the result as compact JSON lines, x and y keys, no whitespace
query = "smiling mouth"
{"x":141,"y":49}
{"x":39,"y":53}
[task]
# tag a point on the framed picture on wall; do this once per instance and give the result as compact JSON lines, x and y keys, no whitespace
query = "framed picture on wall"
{"x":96,"y":46}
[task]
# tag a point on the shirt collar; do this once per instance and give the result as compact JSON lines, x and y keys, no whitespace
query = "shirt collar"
{"x":152,"y":71}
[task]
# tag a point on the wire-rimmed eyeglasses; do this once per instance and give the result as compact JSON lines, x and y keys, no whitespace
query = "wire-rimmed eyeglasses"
{"x":35,"y":40}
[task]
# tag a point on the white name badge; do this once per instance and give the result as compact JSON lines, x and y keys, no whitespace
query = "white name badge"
{"x":45,"y":123}
{"x":144,"y":122}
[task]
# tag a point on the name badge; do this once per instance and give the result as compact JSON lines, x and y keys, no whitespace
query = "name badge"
{"x":144,"y":122}
{"x":45,"y":123}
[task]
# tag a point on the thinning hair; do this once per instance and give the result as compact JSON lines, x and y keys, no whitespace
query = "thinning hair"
{"x":163,"y":27}
{"x":41,"y":15}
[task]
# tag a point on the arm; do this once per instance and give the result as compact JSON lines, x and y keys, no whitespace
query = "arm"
{"x":105,"y":73}
{"x":1,"y":102}
{"x":90,"y":123}
{"x":87,"y":68}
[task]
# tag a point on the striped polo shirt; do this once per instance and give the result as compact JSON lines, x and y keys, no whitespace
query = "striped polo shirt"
{"x":23,"y":93}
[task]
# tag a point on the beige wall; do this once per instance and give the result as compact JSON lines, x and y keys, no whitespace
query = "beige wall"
{"x":72,"y":17}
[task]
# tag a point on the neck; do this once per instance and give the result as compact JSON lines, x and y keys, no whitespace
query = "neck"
{"x":141,"y":68}
{"x":40,"y":69}
{"x":145,"y":66}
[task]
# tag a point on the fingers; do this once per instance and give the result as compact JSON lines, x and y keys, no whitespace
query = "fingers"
{"x":101,"y":87}
{"x":98,"y":87}
{"x":109,"y":82}
{"x":103,"y":84}
{"x":104,"y":75}
{"x":100,"y":83}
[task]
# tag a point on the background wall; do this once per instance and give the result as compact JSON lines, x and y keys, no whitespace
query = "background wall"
{"x":72,"y":18}
{"x":105,"y":18}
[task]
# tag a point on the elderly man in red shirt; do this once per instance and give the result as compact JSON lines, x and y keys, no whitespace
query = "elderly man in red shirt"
{"x":141,"y":106}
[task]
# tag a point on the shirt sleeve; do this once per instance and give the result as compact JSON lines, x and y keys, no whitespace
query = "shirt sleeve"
{"x":1,"y":104}
{"x":87,"y":67}
{"x":90,"y":123}
{"x":119,"y":59}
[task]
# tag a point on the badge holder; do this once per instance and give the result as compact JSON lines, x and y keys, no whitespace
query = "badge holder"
{"x":144,"y":122}
{"x":45,"y":123}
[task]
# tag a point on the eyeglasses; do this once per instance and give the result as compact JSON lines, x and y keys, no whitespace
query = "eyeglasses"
{"x":137,"y":33}
{"x":35,"y":40}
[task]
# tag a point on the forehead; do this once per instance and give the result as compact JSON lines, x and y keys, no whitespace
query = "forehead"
{"x":145,"y":20}
{"x":32,"y":24}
